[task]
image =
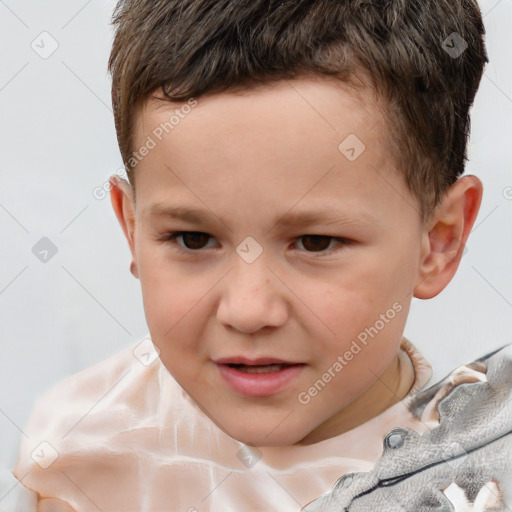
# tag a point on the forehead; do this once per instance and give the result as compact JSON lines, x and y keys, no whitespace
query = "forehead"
{"x":304,"y":139}
{"x":288,"y":118}
{"x":307,"y":88}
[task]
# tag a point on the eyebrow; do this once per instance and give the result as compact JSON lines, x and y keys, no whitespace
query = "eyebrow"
{"x":290,"y":219}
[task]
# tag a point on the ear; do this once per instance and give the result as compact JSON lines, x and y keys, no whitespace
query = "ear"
{"x":121,"y":196}
{"x":445,"y":236}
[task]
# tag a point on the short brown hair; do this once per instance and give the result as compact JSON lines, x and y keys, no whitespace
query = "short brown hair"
{"x":424,"y":57}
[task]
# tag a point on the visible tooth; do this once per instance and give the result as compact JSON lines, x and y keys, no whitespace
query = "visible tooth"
{"x":268,"y":368}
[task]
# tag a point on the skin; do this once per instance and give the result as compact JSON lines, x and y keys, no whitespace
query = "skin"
{"x":247,"y":159}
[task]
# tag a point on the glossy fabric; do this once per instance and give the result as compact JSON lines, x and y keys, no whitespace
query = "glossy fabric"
{"x":122,"y":435}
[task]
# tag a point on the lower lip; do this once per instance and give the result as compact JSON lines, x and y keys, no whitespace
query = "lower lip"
{"x":259,"y":384}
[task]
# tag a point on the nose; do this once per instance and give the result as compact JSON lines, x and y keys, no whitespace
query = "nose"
{"x":252,"y":298}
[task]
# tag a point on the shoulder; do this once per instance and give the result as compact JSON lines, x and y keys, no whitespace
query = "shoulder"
{"x":103,"y":378}
{"x":97,"y":425}
{"x":94,"y":399}
{"x":493,"y":368}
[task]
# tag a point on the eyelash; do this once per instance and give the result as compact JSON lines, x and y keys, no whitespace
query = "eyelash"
{"x":171,"y":238}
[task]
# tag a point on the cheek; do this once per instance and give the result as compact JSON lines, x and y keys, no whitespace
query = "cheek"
{"x":354,"y":299}
{"x":392,"y":273}
{"x":172,"y":300}
{"x":369,"y":308}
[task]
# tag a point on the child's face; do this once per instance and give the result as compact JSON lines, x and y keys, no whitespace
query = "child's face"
{"x":249,"y":163}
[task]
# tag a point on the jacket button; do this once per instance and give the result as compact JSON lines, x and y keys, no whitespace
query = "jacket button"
{"x":394,"y":440}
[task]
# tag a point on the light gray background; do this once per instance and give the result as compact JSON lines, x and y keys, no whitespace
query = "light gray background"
{"x":58,"y":145}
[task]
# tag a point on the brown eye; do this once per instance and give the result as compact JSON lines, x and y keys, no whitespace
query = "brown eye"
{"x":314,"y":243}
{"x":194,"y":240}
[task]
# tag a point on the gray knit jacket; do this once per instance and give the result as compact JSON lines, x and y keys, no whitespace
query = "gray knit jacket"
{"x":463,"y":464}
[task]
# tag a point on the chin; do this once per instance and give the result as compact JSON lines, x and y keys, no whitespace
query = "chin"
{"x":262,"y":436}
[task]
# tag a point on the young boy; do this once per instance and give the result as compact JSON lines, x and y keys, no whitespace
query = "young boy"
{"x":316,"y":149}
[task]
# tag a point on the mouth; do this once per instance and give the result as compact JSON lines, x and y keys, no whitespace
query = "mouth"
{"x":260,"y":377}
{"x":245,"y":361}
{"x":259,"y":368}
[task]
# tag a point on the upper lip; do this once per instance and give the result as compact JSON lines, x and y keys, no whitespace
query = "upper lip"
{"x":255,"y":362}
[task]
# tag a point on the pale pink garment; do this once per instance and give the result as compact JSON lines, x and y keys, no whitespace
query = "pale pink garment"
{"x":128,"y":438}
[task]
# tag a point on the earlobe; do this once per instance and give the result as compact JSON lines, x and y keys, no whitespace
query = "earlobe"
{"x":133,"y":269}
{"x":121,"y":196}
{"x":445,"y":237}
